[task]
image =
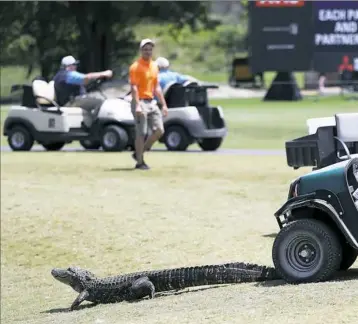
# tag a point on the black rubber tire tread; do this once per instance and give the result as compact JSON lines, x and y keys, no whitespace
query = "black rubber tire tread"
{"x":185,"y":139}
{"x":210,"y":144}
{"x":29,"y":140}
{"x":54,"y":146}
{"x":122,"y":138}
{"x":93,"y":145}
{"x":332,"y":250}
{"x":349,"y":256}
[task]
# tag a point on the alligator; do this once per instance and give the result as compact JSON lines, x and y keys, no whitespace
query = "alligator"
{"x":138,"y":285}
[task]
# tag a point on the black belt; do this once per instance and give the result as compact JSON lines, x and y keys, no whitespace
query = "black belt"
{"x":145,"y":99}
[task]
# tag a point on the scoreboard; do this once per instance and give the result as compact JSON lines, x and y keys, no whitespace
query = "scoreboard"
{"x":335,"y":26}
{"x":302,"y":35}
{"x":280,"y":4}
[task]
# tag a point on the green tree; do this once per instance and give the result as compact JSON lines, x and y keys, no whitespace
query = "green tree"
{"x":99,"y":33}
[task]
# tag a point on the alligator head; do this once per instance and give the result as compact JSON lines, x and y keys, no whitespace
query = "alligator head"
{"x":75,"y":277}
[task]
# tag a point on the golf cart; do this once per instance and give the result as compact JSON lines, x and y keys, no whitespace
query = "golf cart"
{"x":329,"y":140}
{"x":191,"y":119}
{"x":319,"y":221}
{"x":39,"y":118}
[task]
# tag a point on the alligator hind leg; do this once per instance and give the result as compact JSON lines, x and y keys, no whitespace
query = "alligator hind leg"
{"x":141,"y":288}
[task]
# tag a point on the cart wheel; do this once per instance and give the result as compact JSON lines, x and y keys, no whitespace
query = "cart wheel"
{"x":90,"y":145}
{"x":20,"y":139}
{"x":349,"y":256}
{"x":54,"y":146}
{"x":176,"y":138}
{"x":306,"y":250}
{"x":210,"y":144}
{"x":114,"y":139}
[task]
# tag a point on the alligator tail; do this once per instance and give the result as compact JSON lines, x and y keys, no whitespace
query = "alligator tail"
{"x":179,"y":278}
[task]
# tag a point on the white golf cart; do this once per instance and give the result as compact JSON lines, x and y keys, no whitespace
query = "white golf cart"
{"x":191,"y":119}
{"x":39,"y":118}
{"x":329,"y":140}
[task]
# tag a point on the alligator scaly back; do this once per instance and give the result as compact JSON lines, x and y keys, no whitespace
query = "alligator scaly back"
{"x":141,"y":284}
{"x":184,"y":277}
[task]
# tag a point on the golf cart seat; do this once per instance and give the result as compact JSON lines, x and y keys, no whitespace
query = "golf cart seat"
{"x":314,"y":123}
{"x":174,"y":94}
{"x":347,"y":133}
{"x":45,"y":97}
{"x":196,"y":95}
{"x":190,"y":83}
{"x":44,"y":94}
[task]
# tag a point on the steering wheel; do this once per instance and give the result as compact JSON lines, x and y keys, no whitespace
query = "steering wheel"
{"x":95,"y":85}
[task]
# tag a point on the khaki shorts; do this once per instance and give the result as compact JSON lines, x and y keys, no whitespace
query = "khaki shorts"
{"x":152,"y":117}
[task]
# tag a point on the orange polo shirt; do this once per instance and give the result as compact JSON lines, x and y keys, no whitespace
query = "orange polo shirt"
{"x":144,"y":74}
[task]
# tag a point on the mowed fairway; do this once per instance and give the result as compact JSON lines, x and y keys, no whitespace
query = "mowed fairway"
{"x":92,"y":210}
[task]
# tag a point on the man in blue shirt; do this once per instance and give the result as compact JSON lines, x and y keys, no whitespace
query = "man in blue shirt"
{"x":166,"y":76}
{"x":70,"y":90}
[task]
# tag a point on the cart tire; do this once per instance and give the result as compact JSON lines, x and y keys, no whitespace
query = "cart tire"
{"x":20,"y":139}
{"x":176,"y":138}
{"x":306,"y":250}
{"x":56,"y":146}
{"x":114,"y":139}
{"x":349,"y":256}
{"x":90,"y":145}
{"x":210,"y":144}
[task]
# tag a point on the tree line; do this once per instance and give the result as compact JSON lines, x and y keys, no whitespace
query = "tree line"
{"x":99,"y":33}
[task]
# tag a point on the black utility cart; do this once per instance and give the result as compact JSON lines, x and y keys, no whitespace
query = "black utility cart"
{"x":319,"y":221}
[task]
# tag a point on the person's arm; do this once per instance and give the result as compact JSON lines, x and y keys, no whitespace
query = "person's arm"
{"x":97,"y":75}
{"x":181,"y":78}
{"x":75,"y":77}
{"x":159,"y":93}
{"x":133,"y":80}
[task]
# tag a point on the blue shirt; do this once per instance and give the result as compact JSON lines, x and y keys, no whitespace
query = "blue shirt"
{"x":167,"y":76}
{"x":68,"y":84}
{"x":76,"y":78}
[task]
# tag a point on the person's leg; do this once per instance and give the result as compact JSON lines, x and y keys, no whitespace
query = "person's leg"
{"x":141,"y":126}
{"x":155,"y":122}
{"x":140,"y":132}
{"x":90,"y":107}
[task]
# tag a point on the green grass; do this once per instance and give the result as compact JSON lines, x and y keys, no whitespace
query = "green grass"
{"x":91,"y":210}
{"x":10,"y":75}
{"x":266,"y":125}
{"x":256,"y":124}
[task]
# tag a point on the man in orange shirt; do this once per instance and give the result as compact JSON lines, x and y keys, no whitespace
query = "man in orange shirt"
{"x":143,"y":78}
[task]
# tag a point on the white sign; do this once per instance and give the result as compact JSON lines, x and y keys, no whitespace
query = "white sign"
{"x":355,"y":67}
{"x":291,"y":29}
{"x":344,"y":27}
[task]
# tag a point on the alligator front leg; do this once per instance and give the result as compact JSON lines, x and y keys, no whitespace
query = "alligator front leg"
{"x":80,"y":298}
{"x":141,"y":288}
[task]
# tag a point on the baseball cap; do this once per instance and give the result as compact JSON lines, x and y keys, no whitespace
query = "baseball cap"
{"x":69,"y":60}
{"x":162,"y":62}
{"x":146,"y":41}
